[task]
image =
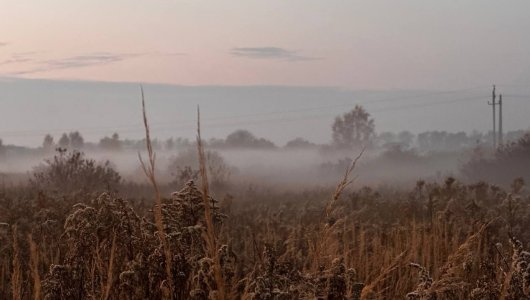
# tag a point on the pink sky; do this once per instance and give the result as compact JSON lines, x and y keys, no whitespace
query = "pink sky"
{"x":352,"y":44}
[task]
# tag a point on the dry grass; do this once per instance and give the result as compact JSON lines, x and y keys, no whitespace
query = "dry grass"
{"x":211,"y":239}
{"x":16,"y":274}
{"x":439,"y":240}
{"x":34,"y":265}
{"x":274,"y":247}
{"x":110,"y":269}
{"x":149,"y":170}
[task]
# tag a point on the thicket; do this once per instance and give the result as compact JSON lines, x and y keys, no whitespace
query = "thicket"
{"x":508,"y":162}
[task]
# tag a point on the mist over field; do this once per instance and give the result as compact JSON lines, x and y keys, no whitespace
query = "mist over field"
{"x":284,"y":168}
{"x":278,"y":114}
{"x":264,"y":150}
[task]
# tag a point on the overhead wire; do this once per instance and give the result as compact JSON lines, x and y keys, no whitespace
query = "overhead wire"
{"x":189,"y":124}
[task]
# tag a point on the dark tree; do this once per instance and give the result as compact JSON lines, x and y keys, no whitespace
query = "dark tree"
{"x":170,"y":144}
{"x":47,"y":143}
{"x":299,"y":143}
{"x":113,"y":143}
{"x":406,"y":139}
{"x":386,"y":138}
{"x":245,"y":139}
{"x":76,"y":140}
{"x":240,"y":138}
{"x":64,"y":141}
{"x":354,"y":128}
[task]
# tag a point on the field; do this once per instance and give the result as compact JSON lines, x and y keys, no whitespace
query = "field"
{"x":76,"y":230}
{"x":264,"y":150}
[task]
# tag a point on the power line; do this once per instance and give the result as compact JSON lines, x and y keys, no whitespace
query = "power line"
{"x":192,"y":125}
{"x":189,"y":124}
{"x":334,"y":105}
{"x":517,"y":96}
{"x":514,"y":85}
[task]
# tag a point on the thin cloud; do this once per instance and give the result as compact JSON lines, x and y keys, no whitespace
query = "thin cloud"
{"x":20,"y":57}
{"x":87,"y":60}
{"x":79,"y":61}
{"x":73,"y":62}
{"x":168,"y":53}
{"x":15,"y":60}
{"x":270,"y":53}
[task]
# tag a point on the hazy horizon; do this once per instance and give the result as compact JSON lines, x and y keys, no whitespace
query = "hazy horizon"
{"x":32,"y":108}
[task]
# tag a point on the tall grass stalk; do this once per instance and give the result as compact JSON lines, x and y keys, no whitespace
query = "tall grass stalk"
{"x":34,"y":265}
{"x":16,"y":276}
{"x":325,"y":218}
{"x":211,"y":239}
{"x":110,"y":269}
{"x":149,"y":170}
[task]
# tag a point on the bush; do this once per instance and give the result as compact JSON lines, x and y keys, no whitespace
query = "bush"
{"x":509,"y":162}
{"x":185,"y":167}
{"x":72,"y":173}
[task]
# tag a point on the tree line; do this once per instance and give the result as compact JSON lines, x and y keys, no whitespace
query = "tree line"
{"x":353,"y":129}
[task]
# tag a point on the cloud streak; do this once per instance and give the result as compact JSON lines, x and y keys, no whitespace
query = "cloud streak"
{"x":78,"y":61}
{"x":271,"y":53}
{"x":74,"y":62}
{"x":87,"y":60}
{"x":18,"y":58}
{"x":3,"y":44}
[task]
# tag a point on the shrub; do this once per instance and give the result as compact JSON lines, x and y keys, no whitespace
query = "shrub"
{"x":73,"y":173}
{"x":185,"y":167}
{"x":509,"y":162}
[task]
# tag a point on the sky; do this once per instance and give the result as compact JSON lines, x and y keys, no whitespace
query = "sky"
{"x":352,"y":44}
{"x":277,"y":59}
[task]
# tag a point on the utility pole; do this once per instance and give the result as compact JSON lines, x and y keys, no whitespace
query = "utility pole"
{"x":501,"y":138}
{"x":493,"y":103}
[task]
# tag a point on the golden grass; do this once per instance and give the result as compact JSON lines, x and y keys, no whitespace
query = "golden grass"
{"x":211,"y":239}
{"x":34,"y":265}
{"x":149,"y":170}
{"x":334,"y":243}
{"x":16,"y":274}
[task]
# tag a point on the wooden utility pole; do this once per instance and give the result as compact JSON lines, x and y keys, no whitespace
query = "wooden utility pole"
{"x":501,"y":138}
{"x":493,"y":103}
